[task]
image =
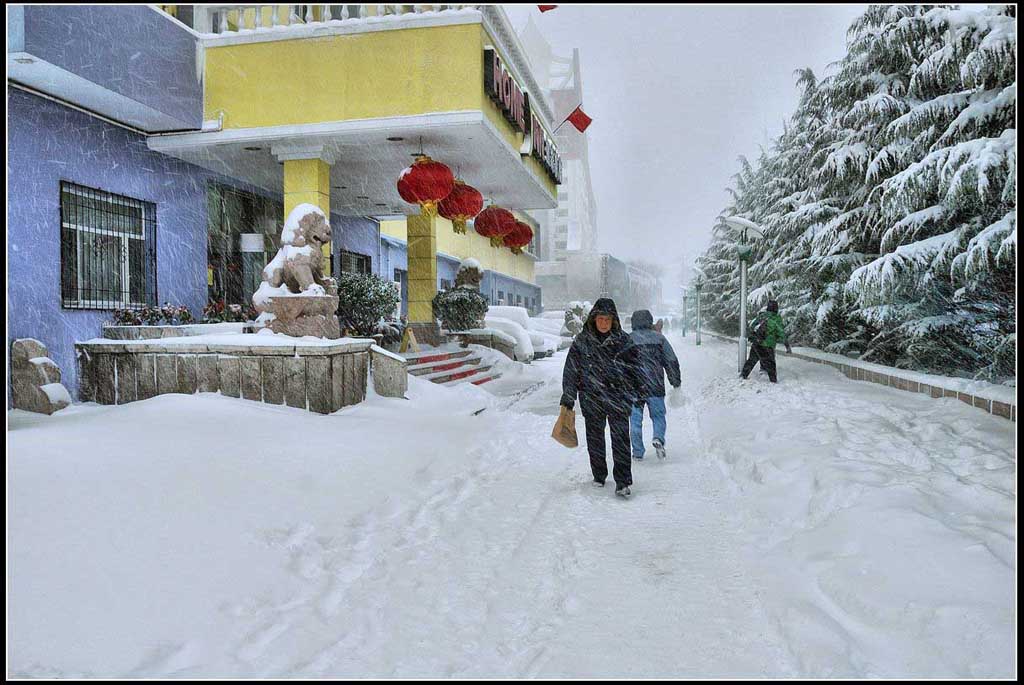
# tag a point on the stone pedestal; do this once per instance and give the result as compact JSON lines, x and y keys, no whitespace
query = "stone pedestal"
{"x":301,"y":315}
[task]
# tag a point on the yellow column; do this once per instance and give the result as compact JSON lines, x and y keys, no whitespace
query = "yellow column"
{"x":422,"y":267}
{"x":309,"y":180}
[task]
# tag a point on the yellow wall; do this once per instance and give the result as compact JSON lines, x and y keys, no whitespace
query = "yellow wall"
{"x":360,"y":76}
{"x":336,"y":78}
{"x":471,"y":244}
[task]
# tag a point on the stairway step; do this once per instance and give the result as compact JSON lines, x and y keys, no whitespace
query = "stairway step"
{"x":482,"y":376}
{"x":446,"y":377}
{"x":417,"y":358}
{"x":442,"y":365}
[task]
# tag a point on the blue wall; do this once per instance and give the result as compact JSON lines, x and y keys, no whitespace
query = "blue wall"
{"x":129,"y":50}
{"x":48,"y":143}
{"x":447,"y":267}
{"x":357,"y":234}
{"x":493,"y":282}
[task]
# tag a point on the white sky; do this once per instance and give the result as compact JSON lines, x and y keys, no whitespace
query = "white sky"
{"x":677,"y":93}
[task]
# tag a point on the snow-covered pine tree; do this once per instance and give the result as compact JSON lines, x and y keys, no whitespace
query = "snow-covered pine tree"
{"x":889,"y":202}
{"x":946,"y":261}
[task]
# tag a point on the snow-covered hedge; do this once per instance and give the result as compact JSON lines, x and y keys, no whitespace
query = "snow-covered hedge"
{"x":365,"y":300}
{"x":459,"y":309}
{"x":574,"y":318}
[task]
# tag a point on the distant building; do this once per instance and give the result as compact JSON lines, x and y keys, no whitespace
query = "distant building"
{"x":568,"y":232}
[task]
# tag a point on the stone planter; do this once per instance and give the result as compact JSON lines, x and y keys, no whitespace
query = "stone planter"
{"x":319,"y":377}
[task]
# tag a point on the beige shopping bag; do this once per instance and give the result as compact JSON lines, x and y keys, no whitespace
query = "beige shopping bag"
{"x":565,"y":428}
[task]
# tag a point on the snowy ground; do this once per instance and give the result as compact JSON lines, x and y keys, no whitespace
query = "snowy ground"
{"x":820,"y":527}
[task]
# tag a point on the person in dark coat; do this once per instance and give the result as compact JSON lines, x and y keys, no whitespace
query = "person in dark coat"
{"x":766,"y":331}
{"x":657,"y":358}
{"x":602,"y":369}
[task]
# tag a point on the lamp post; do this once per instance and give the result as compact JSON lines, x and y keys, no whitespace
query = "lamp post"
{"x":746,"y":229}
{"x":683,"y":288}
{"x":698,"y":285}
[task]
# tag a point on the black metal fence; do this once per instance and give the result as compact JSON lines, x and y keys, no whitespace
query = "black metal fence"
{"x":108,"y":249}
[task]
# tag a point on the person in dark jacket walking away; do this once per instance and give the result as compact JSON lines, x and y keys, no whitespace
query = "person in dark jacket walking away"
{"x":601,"y":368}
{"x":657,"y":358}
{"x":766,"y":330}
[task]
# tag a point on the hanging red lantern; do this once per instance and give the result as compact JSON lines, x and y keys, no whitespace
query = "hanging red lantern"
{"x":519,"y":237}
{"x":494,"y":223}
{"x":426,"y":183}
{"x":461,"y":205}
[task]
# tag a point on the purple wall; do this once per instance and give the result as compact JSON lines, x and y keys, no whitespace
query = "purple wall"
{"x":48,"y":143}
{"x":357,"y":234}
{"x":128,"y":50}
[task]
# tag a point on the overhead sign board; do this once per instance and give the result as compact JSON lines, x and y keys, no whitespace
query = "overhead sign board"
{"x":514,"y":103}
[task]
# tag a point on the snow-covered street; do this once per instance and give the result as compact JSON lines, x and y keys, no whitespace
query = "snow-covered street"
{"x":818,"y":527}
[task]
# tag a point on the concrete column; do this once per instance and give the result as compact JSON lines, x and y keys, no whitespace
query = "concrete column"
{"x":308,"y":180}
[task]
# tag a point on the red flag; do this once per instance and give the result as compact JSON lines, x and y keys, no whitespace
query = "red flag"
{"x":546,"y":8}
{"x":579,"y":119}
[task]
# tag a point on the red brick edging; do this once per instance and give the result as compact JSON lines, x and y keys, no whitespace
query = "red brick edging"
{"x":994,"y":407}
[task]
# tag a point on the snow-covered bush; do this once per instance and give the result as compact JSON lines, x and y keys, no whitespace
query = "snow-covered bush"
{"x":364,"y":301}
{"x":575,"y":316}
{"x":460,"y":309}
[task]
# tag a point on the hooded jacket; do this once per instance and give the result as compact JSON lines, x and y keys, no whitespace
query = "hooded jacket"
{"x":656,"y":356}
{"x":602,"y":369}
{"x":775,"y":329}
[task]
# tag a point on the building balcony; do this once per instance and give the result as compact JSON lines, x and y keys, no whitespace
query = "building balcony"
{"x":128,"y":63}
{"x":364,"y":88}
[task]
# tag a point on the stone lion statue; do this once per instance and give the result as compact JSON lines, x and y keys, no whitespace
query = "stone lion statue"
{"x":299,"y":263}
{"x":295,"y":297}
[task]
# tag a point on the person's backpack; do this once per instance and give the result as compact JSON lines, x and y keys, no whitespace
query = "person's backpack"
{"x":758,"y":330}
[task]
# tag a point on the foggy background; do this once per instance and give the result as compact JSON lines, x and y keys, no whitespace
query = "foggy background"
{"x":677,"y":93}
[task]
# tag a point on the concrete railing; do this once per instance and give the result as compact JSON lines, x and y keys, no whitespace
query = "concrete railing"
{"x":899,"y":380}
{"x":390,"y":372}
{"x":226,"y":19}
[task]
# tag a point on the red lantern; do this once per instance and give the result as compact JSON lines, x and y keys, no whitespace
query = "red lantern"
{"x":426,"y":183}
{"x":494,"y":223}
{"x":519,"y":237}
{"x":464,"y":203}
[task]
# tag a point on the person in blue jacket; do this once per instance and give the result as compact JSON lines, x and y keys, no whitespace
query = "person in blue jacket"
{"x":656,"y":359}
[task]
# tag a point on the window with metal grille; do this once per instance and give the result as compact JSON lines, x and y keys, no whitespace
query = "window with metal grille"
{"x":446,"y":284}
{"x":108,"y":249}
{"x":354,"y":263}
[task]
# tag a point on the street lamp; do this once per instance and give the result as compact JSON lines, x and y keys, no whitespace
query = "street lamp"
{"x":746,"y":229}
{"x":698,"y":284}
{"x":683,"y":288}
